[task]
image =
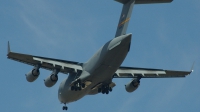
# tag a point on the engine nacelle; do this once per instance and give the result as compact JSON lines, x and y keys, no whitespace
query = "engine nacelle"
{"x":32,"y":75}
{"x":132,"y":86}
{"x":52,"y":79}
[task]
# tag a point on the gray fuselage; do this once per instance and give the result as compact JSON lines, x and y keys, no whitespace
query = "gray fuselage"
{"x":98,"y":69}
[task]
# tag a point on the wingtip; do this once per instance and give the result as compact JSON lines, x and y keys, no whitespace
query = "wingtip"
{"x":192,"y":68}
{"x":8,"y":47}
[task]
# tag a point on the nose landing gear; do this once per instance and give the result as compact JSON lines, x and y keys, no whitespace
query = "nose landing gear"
{"x":65,"y":107}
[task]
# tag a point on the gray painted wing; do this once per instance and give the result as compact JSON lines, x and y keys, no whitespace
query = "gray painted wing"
{"x":152,"y":1}
{"x":145,"y":1}
{"x":46,"y":63}
{"x":131,"y":72}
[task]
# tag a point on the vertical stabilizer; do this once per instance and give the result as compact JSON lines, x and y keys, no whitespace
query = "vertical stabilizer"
{"x":8,"y":47}
{"x":127,"y":11}
{"x":125,"y":16}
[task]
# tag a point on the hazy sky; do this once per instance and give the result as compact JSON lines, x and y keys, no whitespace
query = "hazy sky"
{"x":165,"y":36}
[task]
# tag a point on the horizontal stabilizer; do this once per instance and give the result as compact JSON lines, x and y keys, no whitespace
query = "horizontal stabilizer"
{"x":145,"y":1}
{"x":123,"y":1}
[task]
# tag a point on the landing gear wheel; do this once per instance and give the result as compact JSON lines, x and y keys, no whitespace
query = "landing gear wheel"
{"x":103,"y":91}
{"x":107,"y":92}
{"x":65,"y":108}
{"x":83,"y":85}
{"x":110,"y":89}
{"x":99,"y":90}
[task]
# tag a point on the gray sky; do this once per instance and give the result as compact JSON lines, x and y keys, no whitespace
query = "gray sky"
{"x":165,"y":36}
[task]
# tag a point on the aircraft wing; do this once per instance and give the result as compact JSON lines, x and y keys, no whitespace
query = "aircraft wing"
{"x":132,"y":72}
{"x":47,"y":63}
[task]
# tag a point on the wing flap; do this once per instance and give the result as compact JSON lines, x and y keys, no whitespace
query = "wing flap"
{"x":60,"y":64}
{"x":46,"y":63}
{"x":128,"y":72}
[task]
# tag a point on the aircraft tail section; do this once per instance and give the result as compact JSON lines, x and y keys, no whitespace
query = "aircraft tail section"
{"x":127,"y":11}
{"x":152,"y":1}
{"x":125,"y":16}
{"x":145,"y":1}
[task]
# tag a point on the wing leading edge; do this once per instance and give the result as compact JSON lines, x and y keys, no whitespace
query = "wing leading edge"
{"x":47,"y":63}
{"x":132,"y":72}
{"x":68,"y":66}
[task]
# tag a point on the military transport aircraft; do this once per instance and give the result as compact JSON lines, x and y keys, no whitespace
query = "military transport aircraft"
{"x":95,"y":76}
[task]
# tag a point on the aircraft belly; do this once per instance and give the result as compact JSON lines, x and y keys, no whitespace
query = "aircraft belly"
{"x":109,"y":65}
{"x":116,"y":56}
{"x":103,"y":73}
{"x":72,"y":96}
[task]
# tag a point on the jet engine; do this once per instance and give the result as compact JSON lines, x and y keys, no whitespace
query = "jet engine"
{"x":132,"y":86}
{"x":52,"y":79}
{"x":33,"y":74}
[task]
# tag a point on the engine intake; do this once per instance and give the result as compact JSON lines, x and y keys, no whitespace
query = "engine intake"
{"x":52,"y":79}
{"x":33,"y":74}
{"x":132,"y":86}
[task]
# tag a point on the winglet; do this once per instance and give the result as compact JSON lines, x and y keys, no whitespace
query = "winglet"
{"x":192,"y":69}
{"x":8,"y":47}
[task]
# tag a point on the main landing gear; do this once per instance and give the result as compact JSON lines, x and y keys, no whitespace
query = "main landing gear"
{"x":105,"y":89}
{"x":77,"y":86}
{"x":65,"y":107}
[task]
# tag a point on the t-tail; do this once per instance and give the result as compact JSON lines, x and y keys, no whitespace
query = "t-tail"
{"x":127,"y":11}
